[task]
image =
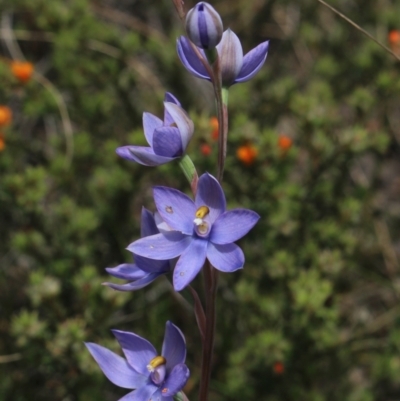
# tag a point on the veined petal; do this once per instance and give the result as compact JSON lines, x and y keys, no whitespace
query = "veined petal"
{"x":175,"y":208}
{"x":182,"y":121}
{"x":190,"y":263}
{"x":169,"y":97}
{"x":142,"y":155}
{"x":152,"y":265}
{"x":174,"y":346}
{"x":150,"y":123}
{"x":126,"y":271}
{"x":176,"y":380}
{"x":167,"y":142}
{"x":144,"y":393}
{"x":210,"y":194}
{"x":252,"y":62}
{"x":147,"y":223}
{"x":137,"y":350}
{"x":231,"y":57}
{"x":161,"y":246}
{"x":116,"y":368}
{"x":226,"y":258}
{"x":232,"y":225}
{"x":135,"y":285}
{"x":190,"y":60}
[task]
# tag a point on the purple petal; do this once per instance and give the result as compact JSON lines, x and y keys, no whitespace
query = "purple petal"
{"x":138,"y":351}
{"x":226,"y":258}
{"x":174,"y":346}
{"x":232,"y":225}
{"x":144,"y":393}
{"x":142,"y":155}
{"x":210,"y":193}
{"x":175,"y":208}
{"x":150,"y":123}
{"x":151,"y":265}
{"x":190,"y":263}
{"x":147,"y":223}
{"x":231,"y":57}
{"x":190,"y":60}
{"x":252,"y":62}
{"x":161,"y":246}
{"x":176,"y":380}
{"x":126,"y":271}
{"x":135,"y":285}
{"x":167,"y":142}
{"x":182,"y":121}
{"x":115,"y":367}
{"x":169,"y":97}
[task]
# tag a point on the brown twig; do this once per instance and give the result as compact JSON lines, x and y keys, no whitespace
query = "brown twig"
{"x":359,"y":28}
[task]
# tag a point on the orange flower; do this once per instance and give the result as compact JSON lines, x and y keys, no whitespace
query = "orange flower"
{"x":394,"y":37}
{"x":22,"y":70}
{"x":2,"y":142}
{"x":215,"y":127}
{"x":284,"y":143}
{"x":247,"y":154}
{"x":205,"y":149}
{"x":279,"y":368}
{"x":5,"y":116}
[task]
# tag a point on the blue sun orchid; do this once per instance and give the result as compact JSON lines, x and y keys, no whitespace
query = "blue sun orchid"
{"x":144,"y":270}
{"x":197,"y":230}
{"x":153,"y":376}
{"x":235,"y":68}
{"x":167,"y":139}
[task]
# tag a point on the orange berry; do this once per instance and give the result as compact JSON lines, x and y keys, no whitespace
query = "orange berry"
{"x":22,"y":70}
{"x":205,"y":149}
{"x":247,"y":154}
{"x":284,"y":142}
{"x":2,"y":142}
{"x":5,"y":116}
{"x":394,"y":37}
{"x":279,"y":368}
{"x":215,"y":127}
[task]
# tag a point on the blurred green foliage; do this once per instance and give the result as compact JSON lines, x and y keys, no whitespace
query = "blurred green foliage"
{"x":320,"y":288}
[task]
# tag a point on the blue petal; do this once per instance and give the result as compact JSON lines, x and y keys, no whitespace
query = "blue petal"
{"x":147,"y":223}
{"x":126,"y":271}
{"x":232,"y":225}
{"x":138,"y":351}
{"x":176,"y":380}
{"x":226,"y":258}
{"x":210,"y":193}
{"x":190,"y":263}
{"x":169,"y":97}
{"x":175,"y":208}
{"x":150,"y":123}
{"x":182,"y":121}
{"x":190,"y":60}
{"x":116,"y":368}
{"x":144,"y":393}
{"x":252,"y":62}
{"x":167,"y":142}
{"x":174,"y":346}
{"x":142,"y":155}
{"x":135,"y":285}
{"x":151,"y":265}
{"x":161,"y":246}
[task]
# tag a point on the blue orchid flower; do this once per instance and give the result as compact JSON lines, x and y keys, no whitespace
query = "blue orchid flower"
{"x":197,"y":230}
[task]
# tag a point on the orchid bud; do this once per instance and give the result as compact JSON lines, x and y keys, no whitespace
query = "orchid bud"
{"x":204,"y":26}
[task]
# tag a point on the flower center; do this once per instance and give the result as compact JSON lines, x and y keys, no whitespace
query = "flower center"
{"x":202,"y":226}
{"x":157,"y":369}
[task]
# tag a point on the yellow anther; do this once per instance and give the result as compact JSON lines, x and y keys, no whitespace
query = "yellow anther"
{"x":202,"y":211}
{"x":156,"y":362}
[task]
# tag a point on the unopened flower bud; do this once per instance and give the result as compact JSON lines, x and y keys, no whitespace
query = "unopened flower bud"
{"x":204,"y":26}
